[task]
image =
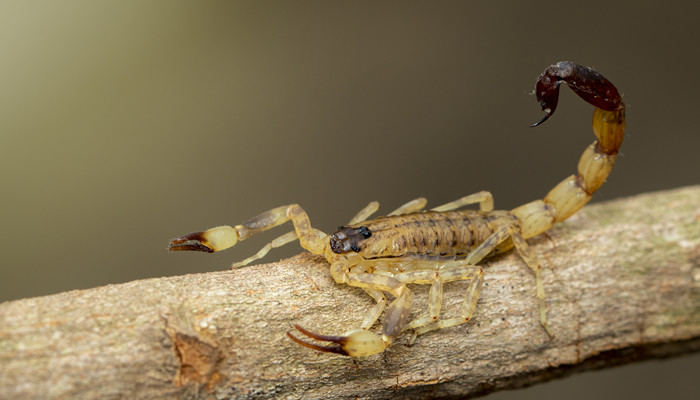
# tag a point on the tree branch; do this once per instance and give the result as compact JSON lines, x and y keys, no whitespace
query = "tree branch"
{"x":622,"y":281}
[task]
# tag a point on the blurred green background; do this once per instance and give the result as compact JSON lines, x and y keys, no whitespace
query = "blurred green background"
{"x":124,"y":124}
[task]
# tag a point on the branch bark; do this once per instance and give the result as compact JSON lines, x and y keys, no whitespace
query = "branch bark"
{"x":622,"y":281}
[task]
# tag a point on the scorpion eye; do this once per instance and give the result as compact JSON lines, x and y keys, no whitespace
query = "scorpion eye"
{"x":364,"y":231}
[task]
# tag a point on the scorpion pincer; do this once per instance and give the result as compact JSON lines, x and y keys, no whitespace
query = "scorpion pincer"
{"x":444,"y":244}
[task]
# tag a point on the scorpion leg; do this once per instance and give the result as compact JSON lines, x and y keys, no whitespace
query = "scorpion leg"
{"x":476,"y":274}
{"x":527,"y":255}
{"x":531,"y":260}
{"x":447,"y":272}
{"x":374,"y":313}
{"x":365,"y":213}
{"x":488,"y":245}
{"x":414,"y":205}
{"x":279,"y":242}
{"x":484,"y":198}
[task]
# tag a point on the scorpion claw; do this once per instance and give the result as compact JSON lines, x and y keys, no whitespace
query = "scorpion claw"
{"x":355,"y":343}
{"x":209,"y":241}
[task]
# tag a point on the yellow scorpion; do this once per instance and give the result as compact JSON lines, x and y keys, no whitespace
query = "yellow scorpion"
{"x":440,"y":245}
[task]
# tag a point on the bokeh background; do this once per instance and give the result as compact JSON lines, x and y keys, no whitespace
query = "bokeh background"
{"x":124,"y":124}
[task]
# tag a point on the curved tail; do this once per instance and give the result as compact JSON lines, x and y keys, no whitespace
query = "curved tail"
{"x":597,"y":160}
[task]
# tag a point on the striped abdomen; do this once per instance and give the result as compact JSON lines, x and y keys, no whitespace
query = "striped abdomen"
{"x":430,"y":233}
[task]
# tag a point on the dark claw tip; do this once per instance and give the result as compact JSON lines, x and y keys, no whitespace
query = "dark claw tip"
{"x":190,"y":247}
{"x":191,"y":242}
{"x":337,"y":349}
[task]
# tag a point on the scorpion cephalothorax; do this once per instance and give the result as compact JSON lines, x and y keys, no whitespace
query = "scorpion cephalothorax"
{"x":348,"y":239}
{"x":412,"y":246}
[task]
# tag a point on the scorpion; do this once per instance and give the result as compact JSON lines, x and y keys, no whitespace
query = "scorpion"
{"x":433,"y":247}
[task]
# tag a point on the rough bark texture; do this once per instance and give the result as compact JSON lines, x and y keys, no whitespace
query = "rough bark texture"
{"x":622,"y":281}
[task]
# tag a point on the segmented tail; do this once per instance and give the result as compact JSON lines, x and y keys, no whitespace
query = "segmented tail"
{"x":597,"y":160}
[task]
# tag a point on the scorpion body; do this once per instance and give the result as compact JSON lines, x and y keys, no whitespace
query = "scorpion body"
{"x":412,"y":246}
{"x":429,"y":234}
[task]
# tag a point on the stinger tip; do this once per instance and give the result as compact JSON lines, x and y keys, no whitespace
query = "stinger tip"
{"x":546,"y":117}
